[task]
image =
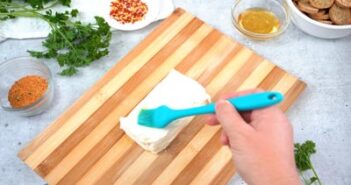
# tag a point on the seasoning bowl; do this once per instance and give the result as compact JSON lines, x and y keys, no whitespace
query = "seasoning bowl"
{"x":279,"y":9}
{"x":17,"y":68}
{"x":315,"y":28}
{"x":150,"y":16}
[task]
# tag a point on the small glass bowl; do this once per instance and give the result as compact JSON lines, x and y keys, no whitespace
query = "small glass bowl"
{"x":278,"y":8}
{"x":17,"y":68}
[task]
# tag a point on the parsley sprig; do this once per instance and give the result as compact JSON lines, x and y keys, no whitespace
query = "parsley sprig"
{"x":72,"y":43}
{"x":303,"y":153}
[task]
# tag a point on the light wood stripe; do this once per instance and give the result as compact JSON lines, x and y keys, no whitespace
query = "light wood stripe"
{"x":292,"y":94}
{"x":184,"y":61}
{"x":261,"y":72}
{"x":159,"y":73}
{"x":112,"y":102}
{"x":136,"y":169}
{"x":57,"y":138}
{"x":131,"y":171}
{"x":86,"y":146}
{"x":225,"y":175}
{"x":272,"y":79}
{"x":216,"y":67}
{"x":216,"y":54}
{"x":199,"y":51}
{"x":183,"y":50}
{"x":204,"y":135}
{"x":186,"y":49}
{"x":222,"y":170}
{"x":115,"y":153}
{"x":236,"y":80}
{"x":89,"y":159}
{"x":43,"y":136}
{"x":200,"y":160}
{"x":246,"y":71}
{"x":186,"y":155}
{"x":182,"y":179}
{"x":285,"y":83}
{"x":163,"y":160}
{"x":227,"y":73}
{"x":213,"y":167}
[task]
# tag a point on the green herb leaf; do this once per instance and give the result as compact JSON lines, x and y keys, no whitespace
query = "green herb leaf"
{"x":303,"y":153}
{"x":72,"y":43}
{"x":69,"y":71}
{"x":74,"y":13}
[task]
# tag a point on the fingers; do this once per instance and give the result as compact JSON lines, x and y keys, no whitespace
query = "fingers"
{"x":262,"y":118}
{"x":231,"y":121}
{"x":224,"y":138}
{"x":266,"y":113}
{"x":240,"y":93}
{"x":212,"y":120}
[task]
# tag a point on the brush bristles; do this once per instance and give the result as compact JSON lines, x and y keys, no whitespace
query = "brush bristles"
{"x":145,"y":117}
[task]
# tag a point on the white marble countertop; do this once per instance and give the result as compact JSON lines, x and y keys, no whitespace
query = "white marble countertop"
{"x":322,"y":113}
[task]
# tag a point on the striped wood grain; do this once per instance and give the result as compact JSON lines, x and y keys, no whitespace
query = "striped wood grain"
{"x":85,"y":145}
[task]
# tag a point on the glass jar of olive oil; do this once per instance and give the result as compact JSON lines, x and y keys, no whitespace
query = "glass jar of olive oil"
{"x":260,"y":19}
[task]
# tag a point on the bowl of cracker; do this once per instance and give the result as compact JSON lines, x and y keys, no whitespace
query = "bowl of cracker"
{"x":328,"y":19}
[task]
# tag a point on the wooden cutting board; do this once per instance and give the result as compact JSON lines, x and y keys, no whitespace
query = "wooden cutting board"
{"x":85,"y":145}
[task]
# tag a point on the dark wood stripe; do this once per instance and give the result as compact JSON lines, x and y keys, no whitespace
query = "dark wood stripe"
{"x":199,"y":161}
{"x":237,"y":79}
{"x":43,"y":136}
{"x":267,"y":84}
{"x":272,"y":79}
{"x":120,"y":165}
{"x":181,"y":68}
{"x":225,"y":175}
{"x":218,"y":66}
{"x":92,"y":156}
{"x":190,"y":131}
{"x":167,"y":156}
{"x":175,"y":43}
{"x":74,"y":139}
{"x":187,"y":134}
{"x":292,"y":94}
{"x":199,"y":51}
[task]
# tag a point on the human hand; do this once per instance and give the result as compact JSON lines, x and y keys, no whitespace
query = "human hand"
{"x":261,"y":142}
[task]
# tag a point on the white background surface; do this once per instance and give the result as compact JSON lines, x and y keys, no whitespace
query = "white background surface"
{"x":322,"y":113}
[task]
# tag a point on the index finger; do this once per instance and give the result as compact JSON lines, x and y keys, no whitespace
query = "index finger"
{"x":212,"y":120}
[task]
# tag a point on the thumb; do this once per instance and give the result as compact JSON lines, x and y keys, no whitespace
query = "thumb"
{"x":230,"y":119}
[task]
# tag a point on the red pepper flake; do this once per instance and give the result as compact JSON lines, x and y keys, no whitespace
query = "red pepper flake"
{"x":128,"y":11}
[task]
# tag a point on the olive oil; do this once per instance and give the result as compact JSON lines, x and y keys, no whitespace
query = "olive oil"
{"x":258,"y":20}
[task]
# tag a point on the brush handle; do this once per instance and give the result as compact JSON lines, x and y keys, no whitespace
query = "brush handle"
{"x":241,"y":103}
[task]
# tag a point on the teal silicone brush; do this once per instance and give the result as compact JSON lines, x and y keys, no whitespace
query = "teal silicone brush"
{"x":160,"y":117}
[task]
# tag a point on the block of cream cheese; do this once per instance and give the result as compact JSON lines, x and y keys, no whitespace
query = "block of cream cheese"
{"x":176,"y":91}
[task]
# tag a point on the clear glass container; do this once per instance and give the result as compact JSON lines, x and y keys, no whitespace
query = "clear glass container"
{"x":276,"y":7}
{"x":17,"y":68}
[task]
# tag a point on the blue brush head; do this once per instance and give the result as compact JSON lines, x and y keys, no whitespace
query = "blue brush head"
{"x":155,"y":118}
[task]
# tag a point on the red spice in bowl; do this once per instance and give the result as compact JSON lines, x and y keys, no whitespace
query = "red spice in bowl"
{"x":128,"y":11}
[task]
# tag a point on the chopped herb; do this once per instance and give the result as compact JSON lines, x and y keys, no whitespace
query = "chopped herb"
{"x":303,"y":153}
{"x":72,"y":43}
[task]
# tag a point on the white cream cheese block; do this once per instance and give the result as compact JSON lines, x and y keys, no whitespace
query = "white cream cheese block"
{"x":176,"y":91}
